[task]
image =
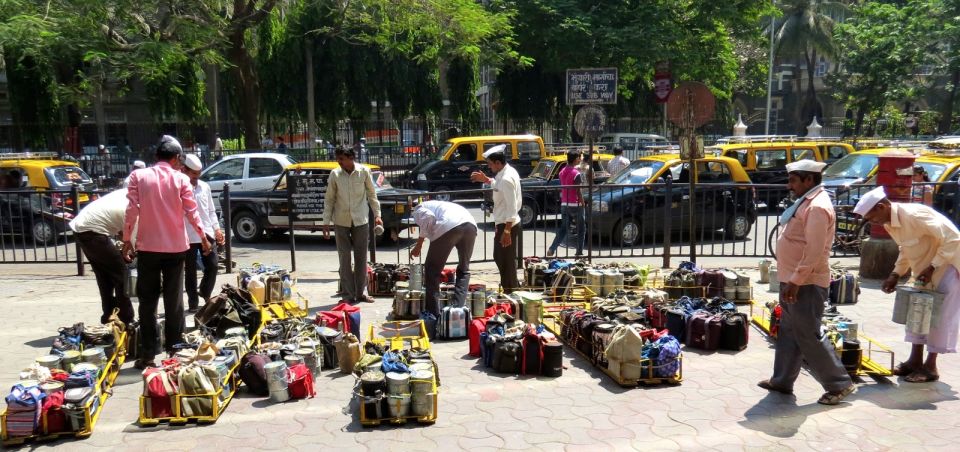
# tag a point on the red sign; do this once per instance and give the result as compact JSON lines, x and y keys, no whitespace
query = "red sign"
{"x":662,"y":86}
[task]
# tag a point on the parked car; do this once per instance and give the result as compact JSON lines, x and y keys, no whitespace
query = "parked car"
{"x":32,"y":216}
{"x":546,"y":201}
{"x":627,"y":206}
{"x":254,"y":213}
{"x":634,"y":144}
{"x":45,"y":171}
{"x":246,"y":172}
{"x":449,"y":168}
{"x":765,"y":161}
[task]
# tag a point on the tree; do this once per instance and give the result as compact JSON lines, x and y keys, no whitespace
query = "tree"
{"x":806,"y":31}
{"x":944,"y":40}
{"x":879,"y":51}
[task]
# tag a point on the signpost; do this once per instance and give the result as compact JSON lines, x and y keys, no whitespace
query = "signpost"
{"x":305,"y":197}
{"x":690,"y":106}
{"x":591,"y":87}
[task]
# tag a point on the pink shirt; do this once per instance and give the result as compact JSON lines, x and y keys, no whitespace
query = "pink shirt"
{"x":160,"y":197}
{"x":803,"y":249}
{"x":568,"y":176}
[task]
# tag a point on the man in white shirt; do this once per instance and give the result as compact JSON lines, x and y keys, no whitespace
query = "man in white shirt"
{"x":506,"y":213}
{"x":137,"y":164}
{"x":351,"y":195}
{"x":448,"y":226}
{"x":211,"y":228}
{"x":618,"y":162}
{"x":96,"y":226}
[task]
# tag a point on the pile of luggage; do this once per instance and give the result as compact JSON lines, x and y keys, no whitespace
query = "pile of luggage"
{"x":61,"y":392}
{"x":599,"y":278}
{"x":198,"y":381}
{"x":702,"y":323}
{"x":507,"y":344}
{"x":398,"y":377}
{"x":688,"y":280}
{"x":267,"y":283}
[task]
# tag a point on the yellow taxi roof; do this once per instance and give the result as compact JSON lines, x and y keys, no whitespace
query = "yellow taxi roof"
{"x":35,"y":163}
{"x":325,"y":166}
{"x":673,"y":157}
{"x":493,"y":138}
{"x":563,"y":157}
{"x":769,"y":144}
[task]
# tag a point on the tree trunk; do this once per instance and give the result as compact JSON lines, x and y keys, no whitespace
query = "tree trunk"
{"x":861,"y":112}
{"x":248,"y":85}
{"x":946,"y":117}
{"x":810,"y":101}
{"x":311,"y":102}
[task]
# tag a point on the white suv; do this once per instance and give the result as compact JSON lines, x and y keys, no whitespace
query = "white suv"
{"x":246,"y":172}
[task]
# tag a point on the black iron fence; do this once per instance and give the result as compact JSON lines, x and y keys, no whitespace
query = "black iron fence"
{"x":34,"y":226}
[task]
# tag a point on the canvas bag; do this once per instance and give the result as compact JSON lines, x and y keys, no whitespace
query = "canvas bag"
{"x":625,"y":345}
{"x":348,"y":352}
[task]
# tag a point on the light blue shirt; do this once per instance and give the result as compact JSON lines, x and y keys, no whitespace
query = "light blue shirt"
{"x":436,"y":218}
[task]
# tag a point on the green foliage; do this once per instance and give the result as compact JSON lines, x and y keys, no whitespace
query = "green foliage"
{"x":928,"y":122}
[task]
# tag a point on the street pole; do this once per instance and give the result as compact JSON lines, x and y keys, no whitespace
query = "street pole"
{"x":588,"y":217}
{"x":770,"y":77}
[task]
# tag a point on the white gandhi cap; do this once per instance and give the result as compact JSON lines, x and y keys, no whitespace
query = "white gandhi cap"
{"x":869,"y":200}
{"x":191,"y":161}
{"x":139,"y":164}
{"x":810,"y":166}
{"x":500,"y":148}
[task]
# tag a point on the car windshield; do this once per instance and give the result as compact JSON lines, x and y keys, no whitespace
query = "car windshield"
{"x":638,"y":172}
{"x":65,"y":175}
{"x":933,"y":170}
{"x":380,"y":179}
{"x":544,"y":169}
{"x":441,"y":152}
{"x":853,"y":166}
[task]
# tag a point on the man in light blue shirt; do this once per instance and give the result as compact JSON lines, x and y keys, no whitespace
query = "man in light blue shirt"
{"x":448,"y":226}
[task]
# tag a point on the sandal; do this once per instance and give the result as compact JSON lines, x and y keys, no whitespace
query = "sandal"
{"x":922,"y":376}
{"x":765,"y":384}
{"x":834,"y":397}
{"x":903,"y":369}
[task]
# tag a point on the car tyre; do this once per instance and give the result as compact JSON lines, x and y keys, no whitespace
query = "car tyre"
{"x":627,"y":232}
{"x":738,"y":226}
{"x":246,"y":227}
{"x":528,"y":214}
{"x":43,"y":231}
{"x":443,"y":197}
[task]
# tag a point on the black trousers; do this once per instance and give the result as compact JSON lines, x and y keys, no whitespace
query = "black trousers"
{"x":110,"y":270}
{"x":506,"y":258}
{"x":159,"y":273}
{"x":209,"y":279}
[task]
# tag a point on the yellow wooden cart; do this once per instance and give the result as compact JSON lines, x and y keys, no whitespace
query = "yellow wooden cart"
{"x":399,"y":335}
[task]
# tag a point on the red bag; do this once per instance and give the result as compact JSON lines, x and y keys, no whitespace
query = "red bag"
{"x":55,"y":418}
{"x":496,"y":308}
{"x":656,"y":317}
{"x":333,"y":319}
{"x":653,"y":334}
{"x":477,"y":326}
{"x":300,"y":383}
{"x":448,"y":275}
{"x":352,"y":315}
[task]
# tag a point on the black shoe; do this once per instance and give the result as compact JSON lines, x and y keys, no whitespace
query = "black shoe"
{"x":193,"y":310}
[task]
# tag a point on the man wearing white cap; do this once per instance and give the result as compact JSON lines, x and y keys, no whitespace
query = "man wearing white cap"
{"x":506,"y":213}
{"x":930,"y":247}
{"x":803,"y":250}
{"x":159,"y":197}
{"x":137,"y":164}
{"x":211,"y":229}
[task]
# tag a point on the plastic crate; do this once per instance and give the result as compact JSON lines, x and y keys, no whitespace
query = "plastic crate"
{"x":91,"y":410}
{"x":368,"y":419}
{"x":400,"y":334}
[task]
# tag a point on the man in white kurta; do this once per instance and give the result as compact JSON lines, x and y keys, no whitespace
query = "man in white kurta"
{"x":929,"y":244}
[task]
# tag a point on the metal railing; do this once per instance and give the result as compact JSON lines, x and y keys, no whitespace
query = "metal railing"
{"x":34,"y":226}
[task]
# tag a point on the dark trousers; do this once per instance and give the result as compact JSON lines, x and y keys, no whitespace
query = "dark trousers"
{"x":159,"y":273}
{"x":209,"y":279}
{"x":568,"y":215}
{"x":799,"y":340}
{"x":506,"y":257}
{"x":110,"y":270}
{"x":462,"y":238}
{"x":352,"y":250}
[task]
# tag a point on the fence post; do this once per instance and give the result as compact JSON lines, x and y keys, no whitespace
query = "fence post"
{"x":227,"y":231}
{"x":667,"y":222}
{"x":75,"y":196}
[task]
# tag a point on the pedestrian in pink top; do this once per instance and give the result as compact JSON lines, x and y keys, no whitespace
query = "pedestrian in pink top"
{"x":803,"y":251}
{"x":160,"y":197}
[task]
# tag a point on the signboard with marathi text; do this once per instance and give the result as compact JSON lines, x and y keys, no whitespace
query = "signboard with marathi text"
{"x":595,"y":86}
{"x":307,"y":192}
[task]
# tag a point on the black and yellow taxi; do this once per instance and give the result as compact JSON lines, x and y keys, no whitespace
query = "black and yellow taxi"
{"x":46,"y":172}
{"x":636,"y":201}
{"x":539,"y":190}
{"x":255,"y":213}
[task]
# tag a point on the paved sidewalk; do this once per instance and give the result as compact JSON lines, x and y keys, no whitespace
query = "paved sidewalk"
{"x":717,"y":407}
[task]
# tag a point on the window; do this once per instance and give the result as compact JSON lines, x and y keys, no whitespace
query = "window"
{"x":225,"y":170}
{"x":741,"y":156}
{"x":264,"y":167}
{"x":835,"y":153}
{"x":802,"y":154}
{"x":713,"y":173}
{"x":465,"y":152}
{"x":822,"y":67}
{"x":628,"y":143}
{"x":528,"y":150}
{"x":772,"y":159}
{"x":508,"y":152}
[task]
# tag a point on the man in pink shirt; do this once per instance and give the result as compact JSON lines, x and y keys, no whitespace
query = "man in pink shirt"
{"x":160,"y":197}
{"x":803,"y":251}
